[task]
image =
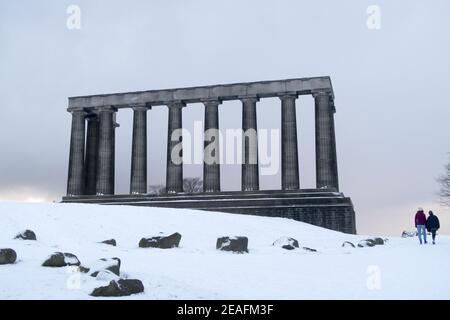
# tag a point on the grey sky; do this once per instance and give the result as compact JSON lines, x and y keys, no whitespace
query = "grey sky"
{"x":391,"y":88}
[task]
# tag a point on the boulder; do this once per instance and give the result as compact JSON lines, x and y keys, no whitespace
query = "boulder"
{"x":366,"y":243}
{"x":370,"y":242}
{"x":26,"y":235}
{"x":162,"y":241}
{"x":348,"y":244}
{"x":119,"y":288}
{"x":112,"y":264}
{"x":378,"y":241}
{"x":111,"y":242}
{"x":234,"y":244}
{"x":286,"y":243}
{"x":7,"y":256}
{"x":61,"y":259}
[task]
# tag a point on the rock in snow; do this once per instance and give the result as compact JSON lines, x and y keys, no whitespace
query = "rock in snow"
{"x":348,"y":244}
{"x":309,"y":249}
{"x":286,"y":243}
{"x":119,"y":288}
{"x":366,"y":243}
{"x":112,"y":264}
{"x":378,"y":241}
{"x":7,"y":256}
{"x":111,"y":242}
{"x":162,"y":242}
{"x":106,"y":275}
{"x":26,"y":235}
{"x":234,"y":244}
{"x":370,"y":242}
{"x":61,"y":259}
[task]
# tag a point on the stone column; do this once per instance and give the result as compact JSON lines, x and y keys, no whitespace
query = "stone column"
{"x":326,"y":177}
{"x":333,"y":147}
{"x":138,"y":183}
{"x":250,"y":175}
{"x":75,"y":179}
{"x":113,"y":166}
{"x":92,"y":137}
{"x":211,"y":165}
{"x":105,"y":165}
{"x":174,"y":171}
{"x":289,"y":151}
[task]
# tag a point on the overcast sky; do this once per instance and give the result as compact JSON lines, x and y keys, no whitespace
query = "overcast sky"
{"x":391,"y":87}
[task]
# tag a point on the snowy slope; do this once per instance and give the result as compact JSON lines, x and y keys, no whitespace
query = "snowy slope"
{"x":400,"y":269}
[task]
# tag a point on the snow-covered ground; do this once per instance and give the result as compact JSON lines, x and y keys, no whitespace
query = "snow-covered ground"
{"x":401,"y":269}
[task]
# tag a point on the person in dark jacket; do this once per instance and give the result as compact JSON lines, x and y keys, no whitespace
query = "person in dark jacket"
{"x":432,"y":225}
{"x":420,"y":221}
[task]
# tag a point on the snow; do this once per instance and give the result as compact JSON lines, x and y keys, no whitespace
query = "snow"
{"x":106,"y":275}
{"x":401,"y":269}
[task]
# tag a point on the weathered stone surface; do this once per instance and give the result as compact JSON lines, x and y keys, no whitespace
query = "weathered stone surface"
{"x":289,"y":153}
{"x":106,"y":149}
{"x":119,"y":288}
{"x":234,"y":244}
{"x":211,"y":164}
{"x":111,"y":242}
{"x":26,"y":235}
{"x":250,"y":173}
{"x":7,"y":256}
{"x":112,"y":264}
{"x":75,"y":179}
{"x":162,"y":242}
{"x":61,"y":259}
{"x":174,"y":170}
{"x":348,"y":244}
{"x":286,"y":243}
{"x":138,"y":183}
{"x":198,"y":94}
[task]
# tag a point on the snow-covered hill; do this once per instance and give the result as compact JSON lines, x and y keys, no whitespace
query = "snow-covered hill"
{"x":196,"y":270}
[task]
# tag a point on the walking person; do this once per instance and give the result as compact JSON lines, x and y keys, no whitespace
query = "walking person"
{"x":432,"y":224}
{"x":420,"y":222}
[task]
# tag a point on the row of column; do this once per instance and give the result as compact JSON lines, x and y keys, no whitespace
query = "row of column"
{"x":91,"y":169}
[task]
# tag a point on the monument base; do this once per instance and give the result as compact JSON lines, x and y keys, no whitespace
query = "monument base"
{"x":320,"y":207}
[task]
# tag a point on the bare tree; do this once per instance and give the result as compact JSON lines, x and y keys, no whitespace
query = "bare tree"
{"x":156,"y":189}
{"x":444,"y":181}
{"x":192,"y":185}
